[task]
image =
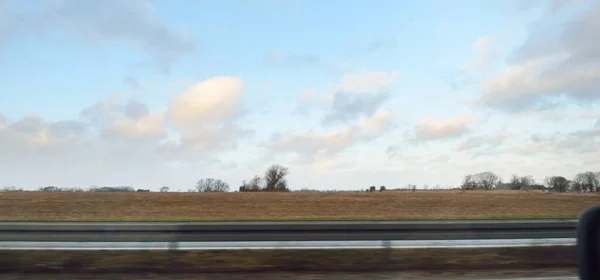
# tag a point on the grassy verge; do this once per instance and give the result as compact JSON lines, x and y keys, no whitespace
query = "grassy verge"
{"x":286,"y":261}
{"x":438,"y":205}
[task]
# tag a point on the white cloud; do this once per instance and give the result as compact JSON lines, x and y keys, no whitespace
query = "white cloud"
{"x":32,"y":134}
{"x":478,"y":145}
{"x":562,"y":148}
{"x":484,"y":50}
{"x":559,"y":60}
{"x":216,"y":99}
{"x":436,"y":129}
{"x":201,"y":119}
{"x":205,"y":115}
{"x":309,"y":144}
{"x":123,"y":22}
{"x":113,"y":136}
{"x":213,"y":137}
{"x":132,"y":120}
{"x":359,"y":95}
{"x":368,"y":81}
{"x":144,"y":127}
{"x":2,"y":121}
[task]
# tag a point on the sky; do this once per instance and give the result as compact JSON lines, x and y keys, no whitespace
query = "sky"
{"x":346,"y":94}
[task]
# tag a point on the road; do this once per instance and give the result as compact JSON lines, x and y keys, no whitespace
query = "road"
{"x":383,"y":233}
{"x":286,"y":231}
{"x":372,"y":276}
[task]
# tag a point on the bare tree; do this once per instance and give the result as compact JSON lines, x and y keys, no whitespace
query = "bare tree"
{"x":557,"y":183}
{"x":221,"y":186}
{"x":480,"y":181}
{"x":487,"y":180}
{"x":521,"y":183}
{"x":164,"y":189}
{"x":468,"y":183}
{"x":527,"y":182}
{"x":275,"y":178}
{"x":254,"y":185}
{"x":211,"y":185}
{"x":587,"y":181}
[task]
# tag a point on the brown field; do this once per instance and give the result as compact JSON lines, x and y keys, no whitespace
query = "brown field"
{"x":86,"y":206}
{"x":367,"y":260}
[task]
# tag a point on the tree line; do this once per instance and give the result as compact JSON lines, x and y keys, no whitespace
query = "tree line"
{"x":275,"y":180}
{"x":582,"y":182}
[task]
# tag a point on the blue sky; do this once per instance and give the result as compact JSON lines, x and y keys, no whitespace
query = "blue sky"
{"x":347,"y":94}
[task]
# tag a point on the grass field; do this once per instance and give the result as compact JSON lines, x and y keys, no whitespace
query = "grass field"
{"x":424,"y":205}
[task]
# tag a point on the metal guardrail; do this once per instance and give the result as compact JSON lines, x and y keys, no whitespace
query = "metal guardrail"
{"x":287,"y":245}
{"x":285,"y":231}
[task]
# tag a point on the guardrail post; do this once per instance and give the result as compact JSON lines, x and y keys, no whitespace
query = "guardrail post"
{"x":173,"y":254}
{"x":387,"y":249}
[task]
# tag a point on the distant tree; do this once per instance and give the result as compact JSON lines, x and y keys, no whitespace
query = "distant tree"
{"x":514,"y":182}
{"x":372,"y":189}
{"x":211,"y":185}
{"x":538,"y":187}
{"x":521,"y":183}
{"x":49,"y":189}
{"x":124,"y":189}
{"x":587,"y":181}
{"x":312,"y":190}
{"x":275,"y":179}
{"x":58,"y":189}
{"x":11,"y":189}
{"x":143,"y":190}
{"x":112,"y":189}
{"x":480,"y":181}
{"x":382,"y":188}
{"x":488,"y":180}
{"x":256,"y":184}
{"x":164,"y":189}
{"x":557,"y":183}
{"x":468,"y":183}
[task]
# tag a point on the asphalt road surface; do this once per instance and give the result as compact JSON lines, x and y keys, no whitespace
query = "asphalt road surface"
{"x":480,"y":275}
